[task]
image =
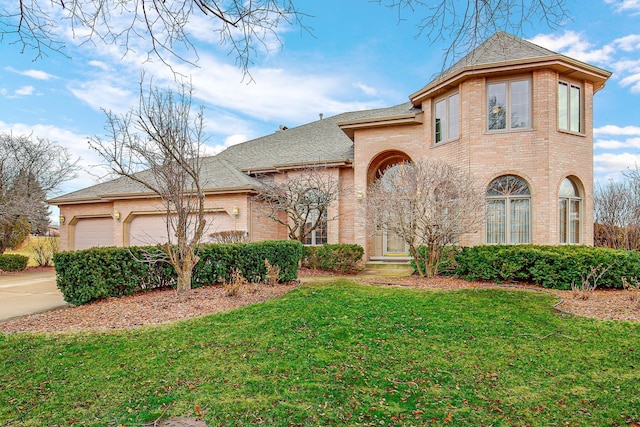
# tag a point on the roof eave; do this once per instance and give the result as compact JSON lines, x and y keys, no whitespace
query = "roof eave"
{"x":349,"y":127}
{"x":564,"y":64}
{"x":101,"y":198}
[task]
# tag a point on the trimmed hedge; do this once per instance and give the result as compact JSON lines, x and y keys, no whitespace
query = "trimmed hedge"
{"x":343,"y":258}
{"x":91,"y":274}
{"x":549,"y":266}
{"x":13,"y":262}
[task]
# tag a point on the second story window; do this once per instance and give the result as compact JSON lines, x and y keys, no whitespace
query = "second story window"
{"x":447,"y":118}
{"x":509,"y":105}
{"x":569,"y":107}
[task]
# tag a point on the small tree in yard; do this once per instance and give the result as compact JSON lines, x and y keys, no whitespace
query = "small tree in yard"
{"x":159,"y":145}
{"x":301,"y":202}
{"x":424,"y":203}
{"x":30,"y":168}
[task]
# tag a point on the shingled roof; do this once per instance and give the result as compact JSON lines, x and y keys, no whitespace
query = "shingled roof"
{"x":505,"y":52}
{"x":318,"y":142}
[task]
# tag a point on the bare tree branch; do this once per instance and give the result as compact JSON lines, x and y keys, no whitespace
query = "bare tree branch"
{"x":466,"y":24}
{"x":166,"y":27}
{"x":427,"y":203}
{"x":301,"y":201}
{"x":159,"y":146}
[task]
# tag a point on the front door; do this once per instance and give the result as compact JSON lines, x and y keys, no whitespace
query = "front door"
{"x":393,"y":245}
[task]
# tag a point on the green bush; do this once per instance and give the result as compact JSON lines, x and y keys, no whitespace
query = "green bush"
{"x":549,"y":266}
{"x":91,"y":274}
{"x":343,"y":258}
{"x":12,"y":262}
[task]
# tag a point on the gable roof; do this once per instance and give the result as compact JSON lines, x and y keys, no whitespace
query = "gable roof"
{"x":503,"y":52}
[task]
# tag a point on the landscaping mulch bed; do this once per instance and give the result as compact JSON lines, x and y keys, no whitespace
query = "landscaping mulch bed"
{"x":163,"y":305}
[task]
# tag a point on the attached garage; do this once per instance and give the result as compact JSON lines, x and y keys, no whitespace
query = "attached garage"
{"x":151,"y":229}
{"x":92,"y":232}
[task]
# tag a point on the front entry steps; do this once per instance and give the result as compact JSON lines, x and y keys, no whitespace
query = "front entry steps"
{"x":390,"y":268}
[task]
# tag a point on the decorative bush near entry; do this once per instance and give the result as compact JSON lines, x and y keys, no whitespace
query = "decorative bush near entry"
{"x":549,"y":266}
{"x":12,"y":262}
{"x":91,"y":274}
{"x":342,"y":258}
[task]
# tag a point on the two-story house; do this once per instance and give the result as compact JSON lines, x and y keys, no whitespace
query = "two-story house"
{"x":515,"y":115}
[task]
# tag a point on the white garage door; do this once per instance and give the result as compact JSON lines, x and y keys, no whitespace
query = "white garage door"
{"x":152,"y":229}
{"x":92,"y":232}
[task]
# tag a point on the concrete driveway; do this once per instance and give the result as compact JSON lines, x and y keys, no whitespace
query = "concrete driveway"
{"x":28,"y":293}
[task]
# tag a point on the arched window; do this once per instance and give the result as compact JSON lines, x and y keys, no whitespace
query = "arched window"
{"x":316,"y":218}
{"x":508,"y":211}
{"x":569,"y":211}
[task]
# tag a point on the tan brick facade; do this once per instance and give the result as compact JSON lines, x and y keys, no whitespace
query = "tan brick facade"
{"x":538,"y":153}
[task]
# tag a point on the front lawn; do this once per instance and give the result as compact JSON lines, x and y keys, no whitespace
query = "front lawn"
{"x":337,"y":354}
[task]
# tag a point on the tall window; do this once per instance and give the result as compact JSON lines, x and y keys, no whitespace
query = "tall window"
{"x":508,"y":211}
{"x":447,"y":118}
{"x":316,"y":220}
{"x":569,"y":107}
{"x":509,"y":105}
{"x":569,"y":212}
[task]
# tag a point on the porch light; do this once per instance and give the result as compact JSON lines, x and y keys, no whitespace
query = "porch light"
{"x":62,"y":218}
{"x":235,"y":211}
{"x":359,"y":196}
{"x":116,"y":215}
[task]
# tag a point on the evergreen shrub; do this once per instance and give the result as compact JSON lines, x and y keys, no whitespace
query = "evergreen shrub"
{"x":13,"y":262}
{"x":549,"y":266}
{"x":96,"y":273}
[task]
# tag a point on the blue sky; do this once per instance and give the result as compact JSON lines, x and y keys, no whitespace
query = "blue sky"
{"x":359,"y":56}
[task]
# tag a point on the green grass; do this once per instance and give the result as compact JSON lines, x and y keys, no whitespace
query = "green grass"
{"x":337,"y":354}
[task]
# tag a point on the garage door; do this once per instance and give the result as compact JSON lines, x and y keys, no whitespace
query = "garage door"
{"x":152,"y":229}
{"x":92,"y":232}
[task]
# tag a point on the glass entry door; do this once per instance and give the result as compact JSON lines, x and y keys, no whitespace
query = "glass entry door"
{"x":393,"y":245}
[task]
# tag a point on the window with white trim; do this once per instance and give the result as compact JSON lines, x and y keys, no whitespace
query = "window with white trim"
{"x":508,"y":211}
{"x":509,"y":105}
{"x":447,"y":118}
{"x":569,"y":107}
{"x":569,"y":210}
{"x":315,"y":220}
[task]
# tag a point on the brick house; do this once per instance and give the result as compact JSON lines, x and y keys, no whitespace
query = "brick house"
{"x":515,"y":115}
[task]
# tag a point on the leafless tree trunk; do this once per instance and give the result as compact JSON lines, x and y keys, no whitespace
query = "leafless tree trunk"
{"x":300,"y":201}
{"x":30,"y":168}
{"x":159,"y":146}
{"x":424,"y":203}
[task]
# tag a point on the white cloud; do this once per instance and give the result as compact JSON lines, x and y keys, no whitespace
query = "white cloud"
{"x":34,"y":74}
{"x":628,"y":43}
{"x":613,"y":144}
{"x":101,"y":93}
{"x":617,"y":130}
{"x":25,"y":91}
{"x":625,"y":5}
{"x":575,"y":45}
{"x":610,"y":163}
{"x":366,"y":89}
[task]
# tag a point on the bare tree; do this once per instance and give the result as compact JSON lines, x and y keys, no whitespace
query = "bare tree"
{"x":426,"y":203}
{"x":466,"y":24}
{"x":168,"y":28}
{"x":30,"y":168}
{"x":159,"y":146}
{"x":300,"y":201}
{"x":617,"y":212}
